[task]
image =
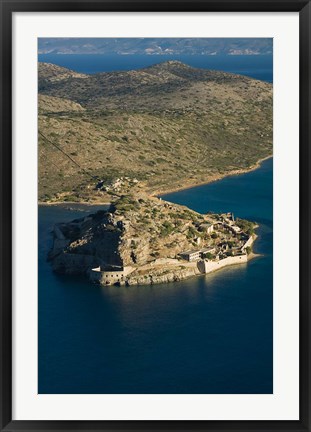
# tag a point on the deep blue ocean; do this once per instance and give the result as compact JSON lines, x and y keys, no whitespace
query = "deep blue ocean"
{"x":259,"y":67}
{"x":209,"y":334}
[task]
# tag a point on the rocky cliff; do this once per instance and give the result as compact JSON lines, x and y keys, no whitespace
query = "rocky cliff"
{"x":145,"y":234}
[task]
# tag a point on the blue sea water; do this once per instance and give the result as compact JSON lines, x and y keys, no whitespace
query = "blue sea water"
{"x":259,"y":67}
{"x":209,"y":334}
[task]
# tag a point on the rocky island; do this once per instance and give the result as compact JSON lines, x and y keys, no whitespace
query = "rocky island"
{"x":143,"y":240}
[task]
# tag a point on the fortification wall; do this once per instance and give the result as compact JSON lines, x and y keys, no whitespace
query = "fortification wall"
{"x":210,"y":266}
{"x":58,"y":246}
{"x":249,"y":242}
{"x":67,"y":263}
{"x":58,"y":233}
{"x":109,"y":277}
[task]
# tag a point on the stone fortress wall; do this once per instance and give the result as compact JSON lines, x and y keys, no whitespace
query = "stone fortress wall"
{"x":205,"y":266}
{"x":249,"y":242}
{"x":109,"y":277}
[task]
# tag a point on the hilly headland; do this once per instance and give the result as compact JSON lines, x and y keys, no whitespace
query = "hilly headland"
{"x":169,"y":126}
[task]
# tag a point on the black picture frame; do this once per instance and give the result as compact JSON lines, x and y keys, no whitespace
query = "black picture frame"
{"x":7,"y":10}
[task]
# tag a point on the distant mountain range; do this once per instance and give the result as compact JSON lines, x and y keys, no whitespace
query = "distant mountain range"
{"x":156,"y":46}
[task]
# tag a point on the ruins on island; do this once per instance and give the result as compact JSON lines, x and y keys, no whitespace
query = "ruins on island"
{"x":147,"y":240}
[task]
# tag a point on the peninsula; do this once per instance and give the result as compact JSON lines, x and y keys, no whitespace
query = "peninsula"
{"x":169,"y":126}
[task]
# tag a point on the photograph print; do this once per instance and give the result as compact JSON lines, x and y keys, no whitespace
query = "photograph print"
{"x":155,"y":210}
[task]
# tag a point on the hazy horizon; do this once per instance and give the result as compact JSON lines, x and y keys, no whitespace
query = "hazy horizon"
{"x":156,"y":46}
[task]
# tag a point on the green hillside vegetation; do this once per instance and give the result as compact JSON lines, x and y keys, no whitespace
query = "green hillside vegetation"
{"x":168,"y":125}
